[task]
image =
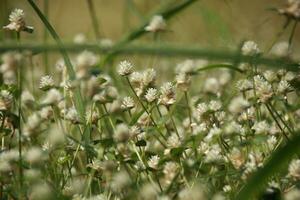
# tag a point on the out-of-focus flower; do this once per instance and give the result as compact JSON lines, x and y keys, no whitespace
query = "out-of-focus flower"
{"x":156,"y":24}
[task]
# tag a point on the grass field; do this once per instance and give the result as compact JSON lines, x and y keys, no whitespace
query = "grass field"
{"x":154,"y":100}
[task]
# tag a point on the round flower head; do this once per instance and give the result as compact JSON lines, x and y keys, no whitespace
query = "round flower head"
{"x":280,"y":49}
{"x":73,"y":115}
{"x":53,"y":97}
{"x":283,"y":87}
{"x":263,"y":89}
{"x":17,"y":22}
{"x":46,"y":82}
{"x":125,"y":68}
{"x":156,"y":24}
{"x":250,"y":48}
{"x":127,"y":103}
{"x":153,"y":162}
{"x":149,"y":77}
{"x":122,"y":133}
{"x":151,"y":95}
{"x":167,"y":96}
{"x":6,"y":100}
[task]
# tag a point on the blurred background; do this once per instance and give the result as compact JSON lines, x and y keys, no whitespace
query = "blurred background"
{"x":207,"y":23}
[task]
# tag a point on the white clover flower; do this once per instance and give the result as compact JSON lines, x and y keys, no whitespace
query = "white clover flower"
{"x":151,"y":95}
{"x":270,"y":76}
{"x":202,"y":108}
{"x":263,"y":89}
{"x":149,"y":192}
{"x":149,"y":76}
{"x":127,"y":103}
{"x":33,"y":122}
{"x":213,"y":154}
{"x":92,"y":116}
{"x":215,"y":105}
{"x":283,"y":87}
{"x":156,"y":24}
{"x":227,"y":188}
{"x":153,"y":161}
{"x":53,"y":97}
{"x":244,"y":85}
{"x":183,"y":81}
{"x":215,"y":131}
{"x":72,"y":115}
{"x":167,"y":96}
{"x":238,"y":105}
{"x":192,"y":193}
{"x":250,"y":48}
{"x":294,"y":169}
{"x":46,"y":82}
{"x":187,"y":67}
{"x":27,"y":98}
{"x":120,"y":181}
{"x":122,"y":133}
{"x":280,"y":49}
{"x":34,"y":155}
{"x":86,"y":59}
{"x":261,"y":127}
{"x":289,"y":76}
{"x":41,"y":191}
{"x":125,"y":68}
{"x":17,"y":21}
{"x":6,"y":100}
{"x":174,"y":141}
{"x":237,"y":158}
{"x":79,"y":38}
{"x":212,"y":85}
{"x":170,"y":171}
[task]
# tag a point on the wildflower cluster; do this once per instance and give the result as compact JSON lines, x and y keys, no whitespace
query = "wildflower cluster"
{"x":200,"y":135}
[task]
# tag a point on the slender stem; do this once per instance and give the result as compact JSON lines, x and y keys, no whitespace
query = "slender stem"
{"x":45,"y":36}
{"x":281,"y":119}
{"x":277,"y":122}
{"x":20,"y":122}
{"x":149,"y":114}
{"x":292,"y":33}
{"x":94,"y":18}
{"x":189,"y":109}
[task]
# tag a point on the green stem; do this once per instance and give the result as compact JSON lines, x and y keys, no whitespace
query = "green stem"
{"x":149,"y":114}
{"x":94,"y":18}
{"x":277,"y":122}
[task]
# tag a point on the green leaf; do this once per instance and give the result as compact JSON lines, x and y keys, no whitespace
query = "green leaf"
{"x":176,"y":152}
{"x":71,"y":72}
{"x":107,"y":142}
{"x":221,"y":65}
{"x":275,"y":164}
{"x":136,"y":117}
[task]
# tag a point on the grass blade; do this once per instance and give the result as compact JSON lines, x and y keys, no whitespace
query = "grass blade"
{"x":277,"y":162}
{"x":78,"y":98}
